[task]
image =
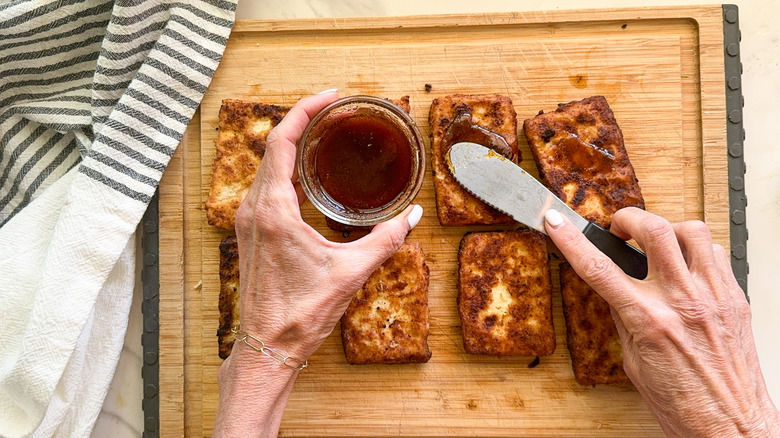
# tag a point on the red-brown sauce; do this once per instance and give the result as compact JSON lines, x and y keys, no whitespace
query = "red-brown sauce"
{"x":364,"y":162}
{"x":586,"y":159}
{"x":462,"y":128}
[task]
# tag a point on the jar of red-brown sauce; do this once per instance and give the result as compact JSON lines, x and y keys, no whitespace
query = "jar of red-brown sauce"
{"x":361,"y":160}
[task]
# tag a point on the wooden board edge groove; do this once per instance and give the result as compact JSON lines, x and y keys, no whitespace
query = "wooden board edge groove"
{"x":472,"y":19}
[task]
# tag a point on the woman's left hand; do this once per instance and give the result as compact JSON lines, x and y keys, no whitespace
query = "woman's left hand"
{"x":295,"y":284}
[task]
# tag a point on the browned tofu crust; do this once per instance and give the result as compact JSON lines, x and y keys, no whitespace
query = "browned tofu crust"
{"x":403,"y":103}
{"x":387,"y":320}
{"x":505,"y":294}
{"x":228,"y":295}
{"x":243,"y":128}
{"x":594,"y":345}
{"x":455,"y":205}
{"x":579,"y":151}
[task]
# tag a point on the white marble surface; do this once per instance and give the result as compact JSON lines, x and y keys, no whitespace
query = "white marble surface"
{"x":122,"y":415}
{"x":760,"y":52}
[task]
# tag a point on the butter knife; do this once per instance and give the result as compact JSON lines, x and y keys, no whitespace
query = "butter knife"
{"x":505,"y":186}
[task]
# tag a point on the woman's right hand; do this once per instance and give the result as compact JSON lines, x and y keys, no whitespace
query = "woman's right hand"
{"x":685,"y":329}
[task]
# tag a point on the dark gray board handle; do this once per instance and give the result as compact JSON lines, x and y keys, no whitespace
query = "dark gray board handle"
{"x":631,"y":260}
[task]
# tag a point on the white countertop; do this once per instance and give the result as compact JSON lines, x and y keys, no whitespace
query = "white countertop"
{"x":760,"y":55}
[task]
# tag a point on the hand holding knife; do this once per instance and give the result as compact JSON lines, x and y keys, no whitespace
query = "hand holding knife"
{"x":505,"y":186}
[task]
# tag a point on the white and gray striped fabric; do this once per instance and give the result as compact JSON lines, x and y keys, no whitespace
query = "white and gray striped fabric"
{"x":94,"y":98}
{"x":67,"y":66}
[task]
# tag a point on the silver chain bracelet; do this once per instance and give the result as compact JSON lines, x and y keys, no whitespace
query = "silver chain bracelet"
{"x":287,"y":361}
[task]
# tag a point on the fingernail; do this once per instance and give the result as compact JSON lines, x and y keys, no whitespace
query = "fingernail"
{"x":553,"y":217}
{"x":330,"y":90}
{"x":414,"y":216}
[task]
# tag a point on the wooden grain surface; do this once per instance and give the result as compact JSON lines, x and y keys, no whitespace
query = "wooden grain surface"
{"x":661,"y":70}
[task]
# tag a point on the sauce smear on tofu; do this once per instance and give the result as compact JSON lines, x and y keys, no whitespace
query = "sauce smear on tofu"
{"x":463,"y":128}
{"x":586,"y":159}
{"x":364,"y":162}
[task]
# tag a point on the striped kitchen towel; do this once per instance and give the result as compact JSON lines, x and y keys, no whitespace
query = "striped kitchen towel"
{"x":94,"y":98}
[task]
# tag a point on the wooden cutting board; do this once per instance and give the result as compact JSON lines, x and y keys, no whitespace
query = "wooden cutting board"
{"x":661,"y":70}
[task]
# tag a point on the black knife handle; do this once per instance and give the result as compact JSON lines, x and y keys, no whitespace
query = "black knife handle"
{"x":631,"y":260}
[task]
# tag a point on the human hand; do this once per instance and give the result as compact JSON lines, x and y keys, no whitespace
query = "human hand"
{"x":685,"y":329}
{"x":295,"y":284}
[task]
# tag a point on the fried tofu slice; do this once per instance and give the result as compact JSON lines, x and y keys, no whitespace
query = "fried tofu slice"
{"x":403,"y":103}
{"x":594,"y":345}
{"x":387,"y":320}
{"x":243,"y":128}
{"x":579,"y":151}
{"x":505,"y":294}
{"x":455,"y":205}
{"x":228,"y":295}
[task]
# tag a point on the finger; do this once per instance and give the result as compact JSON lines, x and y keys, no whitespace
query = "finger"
{"x":736,"y":296}
{"x":385,"y":239}
{"x":696,"y":245}
{"x":281,"y":141}
{"x":724,"y":265}
{"x":656,"y":237}
{"x":630,"y":365}
{"x":592,"y":265}
{"x":738,"y":299}
{"x":300,"y":193}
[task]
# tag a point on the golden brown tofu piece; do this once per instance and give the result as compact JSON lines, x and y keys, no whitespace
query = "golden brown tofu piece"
{"x":455,"y":205}
{"x":579,"y":151}
{"x":403,"y":103}
{"x":505,"y":294}
{"x":243,"y":128}
{"x":228,"y":295}
{"x":387,"y":320}
{"x":594,"y":345}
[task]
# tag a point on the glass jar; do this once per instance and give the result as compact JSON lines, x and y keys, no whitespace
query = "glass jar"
{"x":361,"y":160}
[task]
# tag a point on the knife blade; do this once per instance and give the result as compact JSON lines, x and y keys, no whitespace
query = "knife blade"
{"x":505,"y":186}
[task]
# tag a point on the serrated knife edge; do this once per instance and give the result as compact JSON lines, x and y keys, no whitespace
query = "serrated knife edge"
{"x":468,"y":155}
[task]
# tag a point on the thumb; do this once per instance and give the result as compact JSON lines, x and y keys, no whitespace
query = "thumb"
{"x":601,"y":274}
{"x":385,"y":239}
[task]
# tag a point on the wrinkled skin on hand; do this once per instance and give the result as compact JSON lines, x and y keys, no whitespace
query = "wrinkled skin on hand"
{"x":295,"y":284}
{"x":685,"y":329}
